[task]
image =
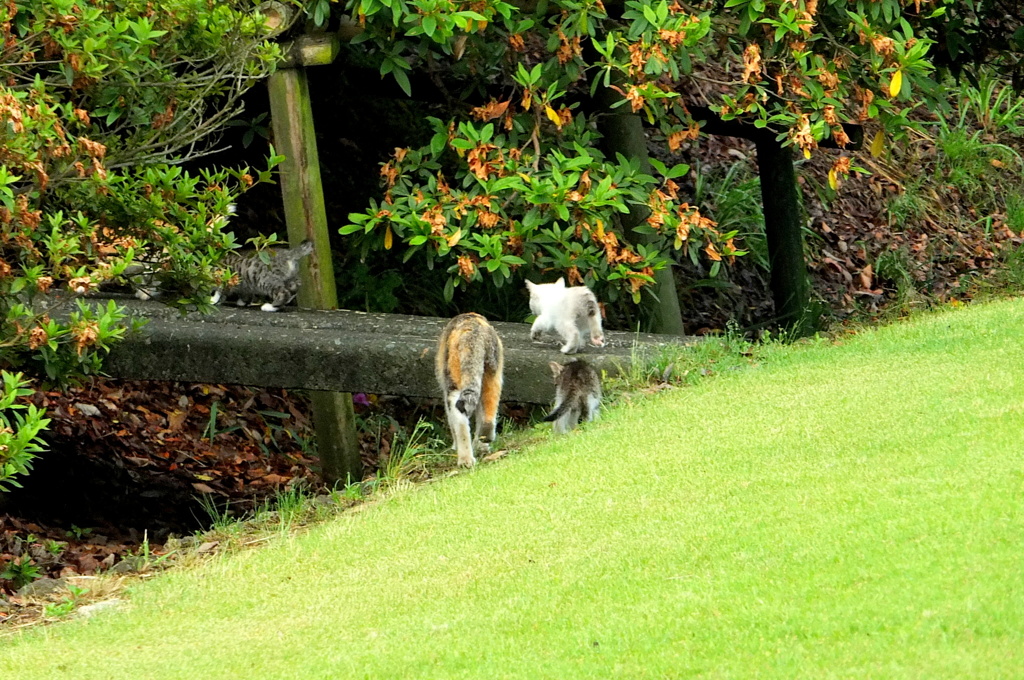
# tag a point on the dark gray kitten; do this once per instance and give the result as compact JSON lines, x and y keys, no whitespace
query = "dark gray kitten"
{"x":276,"y":280}
{"x":577,"y":394}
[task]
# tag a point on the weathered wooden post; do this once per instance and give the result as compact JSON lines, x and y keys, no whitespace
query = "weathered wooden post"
{"x":783,"y":222}
{"x":306,"y":218}
{"x":624,"y":133}
{"x":784,"y":234}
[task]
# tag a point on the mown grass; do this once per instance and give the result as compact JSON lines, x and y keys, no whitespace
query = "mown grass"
{"x":853,"y":511}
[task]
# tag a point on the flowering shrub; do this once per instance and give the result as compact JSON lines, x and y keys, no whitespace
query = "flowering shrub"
{"x":518,"y":178}
{"x":100,"y":103}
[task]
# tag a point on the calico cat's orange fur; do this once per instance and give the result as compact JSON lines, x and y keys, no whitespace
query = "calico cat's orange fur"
{"x":469,"y":364}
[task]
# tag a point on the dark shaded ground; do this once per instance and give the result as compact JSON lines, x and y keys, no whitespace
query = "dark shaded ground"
{"x":133,"y":461}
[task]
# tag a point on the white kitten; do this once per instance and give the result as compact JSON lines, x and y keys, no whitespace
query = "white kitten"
{"x":569,"y":312}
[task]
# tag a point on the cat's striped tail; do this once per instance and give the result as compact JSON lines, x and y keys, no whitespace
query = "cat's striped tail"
{"x":468,"y":399}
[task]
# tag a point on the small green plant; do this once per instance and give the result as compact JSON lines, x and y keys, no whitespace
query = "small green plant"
{"x":895,"y":267}
{"x":219,"y":516}
{"x":20,"y":571}
{"x":1011,"y":273}
{"x":969,"y":163}
{"x":54,"y":547}
{"x":65,"y":606}
{"x":994,"y":105}
{"x":1015,"y":211}
{"x":289,"y":503}
{"x":908,"y":206}
{"x":78,"y":533}
{"x":210,"y":431}
{"x":408,"y":451}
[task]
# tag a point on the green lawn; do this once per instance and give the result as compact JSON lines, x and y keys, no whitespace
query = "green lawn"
{"x":851,"y":511}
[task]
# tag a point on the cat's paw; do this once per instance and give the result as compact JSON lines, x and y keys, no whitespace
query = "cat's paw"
{"x":143,"y":295}
{"x":466,"y":460}
{"x":215,"y":298}
{"x":568,"y":349}
{"x":267,"y":307}
{"x":241,"y":303}
{"x":598,"y":341}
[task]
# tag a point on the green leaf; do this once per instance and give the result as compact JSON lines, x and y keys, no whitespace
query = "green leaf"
{"x":438,"y":143}
{"x":403,"y":81}
{"x":429,"y":25}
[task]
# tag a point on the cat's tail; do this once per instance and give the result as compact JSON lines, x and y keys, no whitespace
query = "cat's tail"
{"x":558,"y":412}
{"x":468,"y":399}
{"x":304,"y":248}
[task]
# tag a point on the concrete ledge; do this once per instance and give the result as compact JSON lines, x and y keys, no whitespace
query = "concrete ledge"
{"x":340,"y":351}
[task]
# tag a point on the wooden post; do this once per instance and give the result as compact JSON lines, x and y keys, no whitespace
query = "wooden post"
{"x":624,"y":133}
{"x":306,"y":217}
{"x":782,"y":226}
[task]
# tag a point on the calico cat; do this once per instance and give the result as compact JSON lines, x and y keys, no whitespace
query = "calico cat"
{"x":277,"y":280}
{"x":568,"y":312}
{"x":577,"y":395}
{"x":469,"y":364}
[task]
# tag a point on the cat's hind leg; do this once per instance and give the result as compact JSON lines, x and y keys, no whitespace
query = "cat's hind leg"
{"x":281,"y":298}
{"x":537,"y":328}
{"x":458,"y":422}
{"x":570,"y":336}
{"x":487,"y":410}
{"x":596,"y":332}
{"x":567,"y":421}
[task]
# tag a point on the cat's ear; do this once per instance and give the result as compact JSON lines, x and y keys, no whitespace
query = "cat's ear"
{"x":560,"y":282}
{"x":556,"y":368}
{"x":530,"y":285}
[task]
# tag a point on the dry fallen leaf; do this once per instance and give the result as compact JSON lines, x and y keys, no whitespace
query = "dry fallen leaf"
{"x":491,"y":457}
{"x":175,"y":419}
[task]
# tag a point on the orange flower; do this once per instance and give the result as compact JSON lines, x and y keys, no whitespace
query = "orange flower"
{"x":568,"y":49}
{"x":94,"y":149}
{"x":842,"y":165}
{"x":81,"y":284}
{"x":883,"y":45}
{"x":38,"y":337}
{"x":478,"y":162}
{"x":803,"y":137}
{"x":436,"y":219}
{"x":828,"y":79}
{"x":751,"y":63}
{"x":490,"y":111}
{"x":636,"y":100}
{"x":487,"y":219}
{"x":466,"y":267}
{"x":85,"y":333}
